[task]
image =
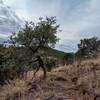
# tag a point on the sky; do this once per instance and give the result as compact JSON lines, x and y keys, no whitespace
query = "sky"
{"x":78,"y":19}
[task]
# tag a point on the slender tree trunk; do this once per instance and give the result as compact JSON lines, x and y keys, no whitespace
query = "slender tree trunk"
{"x":44,"y":71}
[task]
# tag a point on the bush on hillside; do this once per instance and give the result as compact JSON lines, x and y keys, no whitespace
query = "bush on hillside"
{"x":88,"y":48}
{"x":68,"y":58}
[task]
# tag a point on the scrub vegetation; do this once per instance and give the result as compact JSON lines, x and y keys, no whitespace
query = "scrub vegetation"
{"x":58,"y":75}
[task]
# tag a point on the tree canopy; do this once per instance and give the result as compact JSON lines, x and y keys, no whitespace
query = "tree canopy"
{"x":34,"y":38}
{"x":37,"y":36}
{"x":88,"y":47}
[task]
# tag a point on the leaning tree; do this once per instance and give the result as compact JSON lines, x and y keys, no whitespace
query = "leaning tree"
{"x":36,"y":37}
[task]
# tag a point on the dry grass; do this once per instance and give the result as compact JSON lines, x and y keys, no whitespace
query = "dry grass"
{"x":13,"y":87}
{"x":47,"y":95}
{"x":87,"y":73}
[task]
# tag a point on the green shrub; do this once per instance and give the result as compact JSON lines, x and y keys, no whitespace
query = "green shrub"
{"x":68,"y":58}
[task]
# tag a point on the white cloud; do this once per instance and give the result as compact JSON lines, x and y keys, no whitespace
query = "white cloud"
{"x":83,"y":21}
{"x":78,"y":18}
{"x":4,"y":36}
{"x":19,"y":6}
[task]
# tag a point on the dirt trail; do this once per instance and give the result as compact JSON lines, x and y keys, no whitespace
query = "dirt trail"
{"x":67,"y":92}
{"x":63,"y":87}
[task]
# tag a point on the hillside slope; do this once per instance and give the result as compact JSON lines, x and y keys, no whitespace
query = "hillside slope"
{"x":74,"y":82}
{"x":56,"y":53}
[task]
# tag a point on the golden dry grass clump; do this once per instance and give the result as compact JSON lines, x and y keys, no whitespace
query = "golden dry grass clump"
{"x":15,"y":87}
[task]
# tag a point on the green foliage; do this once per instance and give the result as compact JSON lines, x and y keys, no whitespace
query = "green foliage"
{"x":90,"y":44}
{"x":24,"y":45}
{"x":50,"y":63}
{"x":37,"y":36}
{"x":56,"y":53}
{"x":88,"y":48}
{"x":3,"y":60}
{"x":7,"y":62}
{"x":68,"y":58}
{"x":2,"y":50}
{"x":12,"y":61}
